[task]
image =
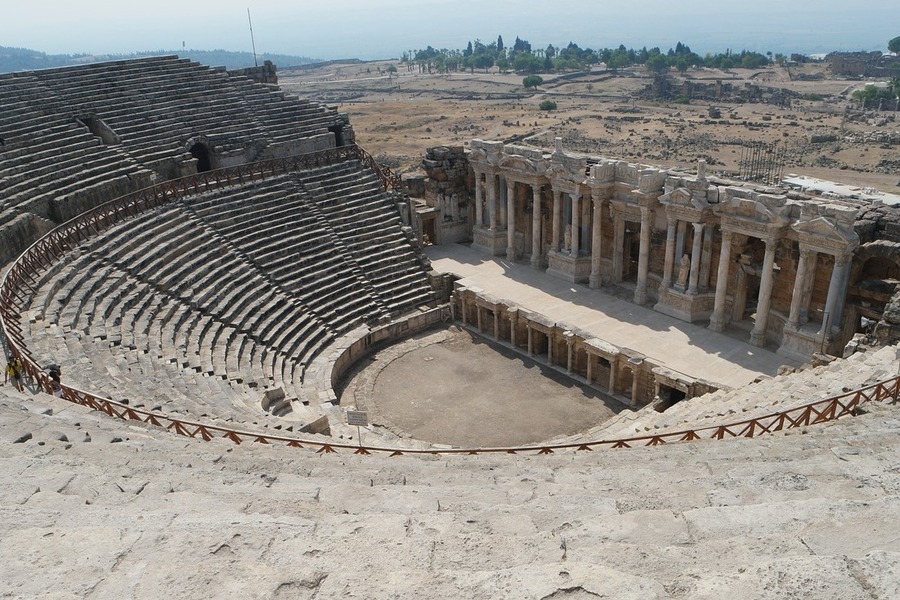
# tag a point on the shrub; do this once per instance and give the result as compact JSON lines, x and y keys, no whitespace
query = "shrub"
{"x":532,"y":81}
{"x":547,"y":105}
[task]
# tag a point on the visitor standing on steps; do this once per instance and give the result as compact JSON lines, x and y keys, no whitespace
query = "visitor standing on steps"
{"x":54,"y":371}
{"x":14,"y":371}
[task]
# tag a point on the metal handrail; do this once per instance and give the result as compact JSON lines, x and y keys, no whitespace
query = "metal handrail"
{"x":42,"y":254}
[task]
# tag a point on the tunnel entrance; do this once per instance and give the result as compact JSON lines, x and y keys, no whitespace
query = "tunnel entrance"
{"x":201,"y":153}
{"x":338,"y":131}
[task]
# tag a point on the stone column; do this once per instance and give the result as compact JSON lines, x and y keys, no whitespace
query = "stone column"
{"x":462,"y":308}
{"x":557,"y":217}
{"x":550,"y":344}
{"x":536,"y":226}
{"x":679,"y":240}
{"x":758,"y":335}
{"x":576,"y":226}
{"x":596,"y":279}
{"x":640,"y":292}
{"x":590,"y":364}
{"x":513,"y":317}
{"x":717,"y":321}
{"x":530,"y":339}
{"x":478,"y":312}
{"x":799,"y":281}
{"x":479,"y":200}
{"x":510,"y":220}
{"x":503,"y":216}
{"x":612,"y":375}
{"x":671,"y":225}
{"x":842,"y":294}
{"x":834,"y":290}
{"x":570,"y":346}
{"x":618,"y":250}
{"x":634,"y":385}
{"x":496,"y":324}
{"x":808,"y":282}
{"x":492,"y":201}
{"x":696,"y":257}
{"x":706,"y":258}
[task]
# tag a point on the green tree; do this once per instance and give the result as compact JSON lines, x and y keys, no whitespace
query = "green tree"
{"x":894,"y":45}
{"x":499,"y":43}
{"x":547,"y":105}
{"x":484,"y":61}
{"x":391,"y":69}
{"x":532,"y":81}
{"x":657,"y":63}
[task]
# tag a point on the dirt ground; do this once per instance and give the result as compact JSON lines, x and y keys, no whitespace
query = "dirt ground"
{"x":473,"y":393}
{"x":397,"y":117}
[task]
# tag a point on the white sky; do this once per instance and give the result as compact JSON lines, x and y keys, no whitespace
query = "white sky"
{"x":385,"y":28}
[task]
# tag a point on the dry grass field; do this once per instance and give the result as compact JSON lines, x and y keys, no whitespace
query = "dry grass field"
{"x":398,"y":116}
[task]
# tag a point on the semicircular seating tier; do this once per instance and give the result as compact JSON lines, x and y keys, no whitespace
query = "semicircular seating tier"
{"x":75,"y":137}
{"x":199,"y":306}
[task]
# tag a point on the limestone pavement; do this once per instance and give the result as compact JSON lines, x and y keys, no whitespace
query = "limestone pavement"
{"x":95,"y":508}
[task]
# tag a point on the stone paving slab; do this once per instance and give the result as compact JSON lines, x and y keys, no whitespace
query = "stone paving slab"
{"x":685,"y":347}
{"x":781,"y":516}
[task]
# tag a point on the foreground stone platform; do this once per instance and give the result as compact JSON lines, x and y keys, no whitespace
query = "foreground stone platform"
{"x":139,"y":512}
{"x":684,"y":347}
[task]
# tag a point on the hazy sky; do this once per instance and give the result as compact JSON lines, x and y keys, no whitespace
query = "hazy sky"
{"x":385,"y":28}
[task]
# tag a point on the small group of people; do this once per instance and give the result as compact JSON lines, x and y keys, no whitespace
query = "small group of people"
{"x":15,"y":371}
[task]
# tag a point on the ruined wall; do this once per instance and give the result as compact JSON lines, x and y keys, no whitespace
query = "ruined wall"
{"x":862,"y":64}
{"x":449,"y":188}
{"x":670,"y":89}
{"x":20,"y":233}
{"x":878,"y":221}
{"x":264,"y":73}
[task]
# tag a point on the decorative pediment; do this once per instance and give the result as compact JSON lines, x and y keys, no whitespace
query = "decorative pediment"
{"x":737,"y":208}
{"x":520,"y":164}
{"x":565,"y":172}
{"x":679,"y":196}
{"x":824,"y":233}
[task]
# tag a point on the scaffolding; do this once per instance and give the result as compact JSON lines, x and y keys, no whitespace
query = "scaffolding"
{"x":762,"y":162}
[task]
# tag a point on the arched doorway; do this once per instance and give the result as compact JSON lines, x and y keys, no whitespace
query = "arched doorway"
{"x":874,"y":283}
{"x":201,"y":152}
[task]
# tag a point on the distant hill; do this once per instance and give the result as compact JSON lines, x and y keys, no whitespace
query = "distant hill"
{"x":24,"y":59}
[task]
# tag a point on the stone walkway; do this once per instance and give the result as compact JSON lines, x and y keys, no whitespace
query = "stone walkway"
{"x":92,"y":507}
{"x":685,"y":347}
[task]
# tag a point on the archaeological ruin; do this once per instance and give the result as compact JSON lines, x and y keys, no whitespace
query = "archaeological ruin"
{"x":190,"y":233}
{"x":793,"y":269}
{"x":207,"y":260}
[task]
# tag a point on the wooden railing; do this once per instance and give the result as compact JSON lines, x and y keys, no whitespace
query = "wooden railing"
{"x":21,"y":278}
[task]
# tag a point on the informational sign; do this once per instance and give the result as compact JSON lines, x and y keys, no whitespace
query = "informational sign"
{"x":360,"y":418}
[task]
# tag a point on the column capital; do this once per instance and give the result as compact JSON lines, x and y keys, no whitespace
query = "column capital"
{"x":843,"y":259}
{"x":727,"y":236}
{"x":671,"y":220}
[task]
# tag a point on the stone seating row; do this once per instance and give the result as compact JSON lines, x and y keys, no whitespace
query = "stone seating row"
{"x":295,"y":245}
{"x":196,"y":288}
{"x":370,"y":227}
{"x":152,"y":104}
{"x":198,"y":344}
{"x":168,"y":83}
